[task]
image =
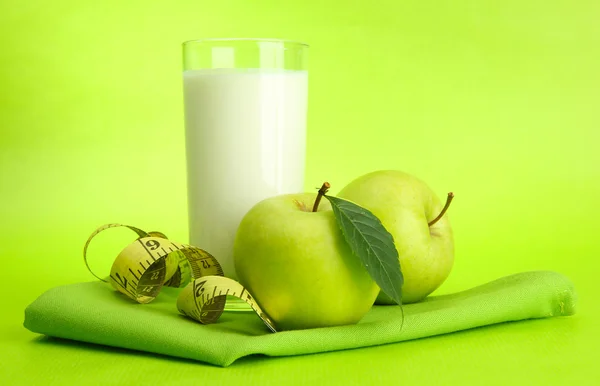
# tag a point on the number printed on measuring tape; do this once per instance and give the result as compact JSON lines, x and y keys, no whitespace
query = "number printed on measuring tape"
{"x":152,"y":261}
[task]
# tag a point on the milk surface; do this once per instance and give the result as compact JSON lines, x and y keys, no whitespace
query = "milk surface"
{"x":245,"y":141}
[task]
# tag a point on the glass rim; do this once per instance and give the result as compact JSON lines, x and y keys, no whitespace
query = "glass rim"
{"x":233,"y":40}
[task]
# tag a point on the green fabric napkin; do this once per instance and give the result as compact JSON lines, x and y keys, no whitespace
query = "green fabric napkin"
{"x":94,"y":312}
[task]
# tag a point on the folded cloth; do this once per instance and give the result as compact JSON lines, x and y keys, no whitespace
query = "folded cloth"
{"x":94,"y":312}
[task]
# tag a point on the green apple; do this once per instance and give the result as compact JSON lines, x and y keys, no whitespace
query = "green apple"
{"x":406,"y":205}
{"x":298,"y":267}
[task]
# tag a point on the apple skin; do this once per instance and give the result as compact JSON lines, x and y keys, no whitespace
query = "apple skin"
{"x":298,"y":266}
{"x":405,"y":205}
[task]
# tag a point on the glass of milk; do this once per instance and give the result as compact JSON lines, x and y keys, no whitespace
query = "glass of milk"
{"x":245,"y":121}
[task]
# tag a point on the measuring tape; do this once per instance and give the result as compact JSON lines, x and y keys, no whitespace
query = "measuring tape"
{"x":152,"y":261}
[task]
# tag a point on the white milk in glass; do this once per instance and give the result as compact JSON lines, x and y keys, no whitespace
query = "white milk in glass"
{"x":245,"y":139}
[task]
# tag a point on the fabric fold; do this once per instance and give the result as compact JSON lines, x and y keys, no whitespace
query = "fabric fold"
{"x":93,"y":312}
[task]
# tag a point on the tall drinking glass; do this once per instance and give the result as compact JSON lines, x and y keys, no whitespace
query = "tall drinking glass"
{"x":245,"y":120}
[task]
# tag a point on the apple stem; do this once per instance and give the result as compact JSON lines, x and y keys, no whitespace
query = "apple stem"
{"x":324,"y":188}
{"x":439,"y":216}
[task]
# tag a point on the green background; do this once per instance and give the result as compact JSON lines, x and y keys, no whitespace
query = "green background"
{"x":495,"y":101}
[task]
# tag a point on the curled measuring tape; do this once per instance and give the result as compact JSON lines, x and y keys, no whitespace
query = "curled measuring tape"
{"x":152,"y":261}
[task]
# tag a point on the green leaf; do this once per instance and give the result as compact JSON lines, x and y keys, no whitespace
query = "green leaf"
{"x":372,"y":243}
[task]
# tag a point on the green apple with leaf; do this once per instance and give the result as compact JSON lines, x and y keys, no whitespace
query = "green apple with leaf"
{"x":314,"y":264}
{"x":414,"y":215}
